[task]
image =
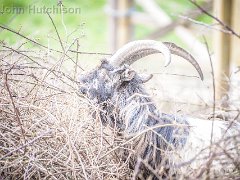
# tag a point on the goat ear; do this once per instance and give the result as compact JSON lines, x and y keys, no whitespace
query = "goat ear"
{"x":145,"y":77}
{"x":128,"y":75}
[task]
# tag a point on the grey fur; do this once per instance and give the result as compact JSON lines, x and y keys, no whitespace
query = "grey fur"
{"x":126,"y":105}
{"x":123,"y":103}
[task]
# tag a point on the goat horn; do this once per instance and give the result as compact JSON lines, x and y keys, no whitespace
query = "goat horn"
{"x":135,"y":50}
{"x":174,"y":49}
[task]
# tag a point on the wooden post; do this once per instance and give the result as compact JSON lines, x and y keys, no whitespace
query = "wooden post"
{"x":124,"y":26}
{"x":222,"y":9}
{"x":113,"y":25}
{"x":120,"y":23}
{"x":235,"y":41}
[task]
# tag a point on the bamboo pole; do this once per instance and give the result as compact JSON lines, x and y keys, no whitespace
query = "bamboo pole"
{"x":120,"y":23}
{"x":124,"y":26}
{"x":222,"y":47}
{"x":113,"y":26}
{"x":235,"y":41}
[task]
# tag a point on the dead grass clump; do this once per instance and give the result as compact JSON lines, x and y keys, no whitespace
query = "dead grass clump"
{"x":46,"y":131}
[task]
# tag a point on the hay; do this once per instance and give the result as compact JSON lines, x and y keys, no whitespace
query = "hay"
{"x":46,"y":131}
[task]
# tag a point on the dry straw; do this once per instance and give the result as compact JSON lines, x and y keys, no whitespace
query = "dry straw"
{"x":46,"y":131}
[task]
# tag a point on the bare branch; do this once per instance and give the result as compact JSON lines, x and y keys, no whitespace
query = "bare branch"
{"x":215,"y":18}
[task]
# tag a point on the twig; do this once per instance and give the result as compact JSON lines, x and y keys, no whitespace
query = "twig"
{"x":173,"y":74}
{"x":214,"y":86}
{"x":75,"y":72}
{"x":191,"y":13}
{"x":61,"y":8}
{"x":17,"y":112}
{"x":56,"y":32}
{"x":17,"y":33}
{"x":25,"y":145}
{"x":43,"y":46}
{"x":18,"y":52}
{"x":50,"y":70}
{"x":138,"y":134}
{"x":209,"y":26}
{"x":215,"y":18}
{"x":95,"y":53}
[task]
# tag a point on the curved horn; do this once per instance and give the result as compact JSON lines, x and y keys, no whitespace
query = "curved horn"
{"x":135,"y":50}
{"x":174,"y":49}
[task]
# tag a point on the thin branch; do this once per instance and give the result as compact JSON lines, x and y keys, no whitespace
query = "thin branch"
{"x":75,"y":71}
{"x":214,"y":86}
{"x":54,"y":72}
{"x":17,"y":33}
{"x":174,"y":74}
{"x":56,"y":32}
{"x":215,"y":18}
{"x":192,"y":13}
{"x":95,"y":53}
{"x":25,"y":145}
{"x":16,"y":110}
{"x":209,"y":26}
{"x":37,"y":43}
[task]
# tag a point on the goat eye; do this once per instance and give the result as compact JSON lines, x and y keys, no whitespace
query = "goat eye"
{"x":83,"y":90}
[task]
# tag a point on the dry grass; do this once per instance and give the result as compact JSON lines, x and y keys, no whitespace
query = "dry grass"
{"x":46,"y":131}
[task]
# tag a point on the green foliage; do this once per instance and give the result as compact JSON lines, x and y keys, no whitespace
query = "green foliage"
{"x":87,"y":25}
{"x":90,"y":25}
{"x":174,"y":7}
{"x":179,"y":7}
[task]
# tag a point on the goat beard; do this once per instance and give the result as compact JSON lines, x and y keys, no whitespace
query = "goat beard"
{"x":146,"y":143}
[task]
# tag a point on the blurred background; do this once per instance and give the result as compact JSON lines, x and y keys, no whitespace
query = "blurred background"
{"x":95,"y":20}
{"x":96,"y":29}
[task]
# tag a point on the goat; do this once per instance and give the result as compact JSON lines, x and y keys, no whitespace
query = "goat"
{"x":119,"y":92}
